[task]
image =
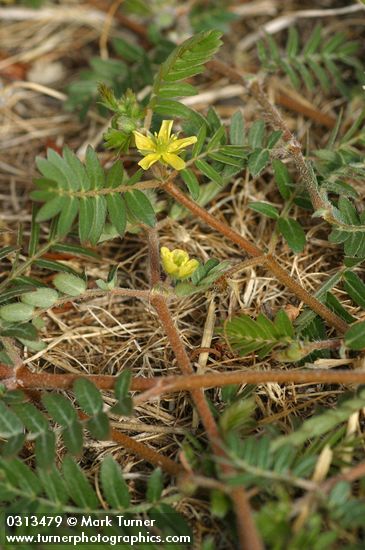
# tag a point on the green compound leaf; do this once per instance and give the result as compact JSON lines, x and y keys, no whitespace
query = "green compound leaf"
{"x":321,"y":423}
{"x":319,"y":59}
{"x":262,"y":335}
{"x":185,"y":61}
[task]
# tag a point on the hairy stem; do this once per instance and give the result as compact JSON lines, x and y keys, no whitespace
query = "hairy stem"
{"x":160,"y":385}
{"x":247,"y":532}
{"x":221,"y":379}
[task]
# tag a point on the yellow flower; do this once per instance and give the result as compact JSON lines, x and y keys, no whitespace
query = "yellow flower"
{"x":162,"y":147}
{"x":177,"y":264}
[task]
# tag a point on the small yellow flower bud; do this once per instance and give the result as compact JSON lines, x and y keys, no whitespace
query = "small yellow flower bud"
{"x":177,"y":264}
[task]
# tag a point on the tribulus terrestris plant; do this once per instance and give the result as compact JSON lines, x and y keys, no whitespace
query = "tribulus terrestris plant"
{"x":170,"y":161}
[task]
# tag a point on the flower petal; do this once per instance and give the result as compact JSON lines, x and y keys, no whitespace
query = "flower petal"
{"x":188,"y":268}
{"x":167,"y":261}
{"x":144,"y":143}
{"x":174,"y":161}
{"x":180,"y":144}
{"x":179,"y":256}
{"x":165,"y":130}
{"x":165,"y":252}
{"x":148,"y":160}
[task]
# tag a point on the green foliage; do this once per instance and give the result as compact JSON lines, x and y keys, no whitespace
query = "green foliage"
{"x":154,"y":486}
{"x":322,"y":423}
{"x":289,"y":228}
{"x":127,"y":118}
{"x":355,"y":336}
{"x":18,"y":415}
{"x":262,"y":336}
{"x":237,"y":416}
{"x":202,"y":278}
{"x":293,"y":233}
{"x":185,"y":61}
{"x":69,"y":284}
{"x":114,"y":486}
{"x":124,"y":404}
{"x":317,"y":61}
{"x":48,"y":490}
{"x":215,"y":15}
{"x":70,"y":188}
{"x":349,"y":229}
{"x":41,"y":297}
{"x":83,"y":91}
{"x":16,"y":312}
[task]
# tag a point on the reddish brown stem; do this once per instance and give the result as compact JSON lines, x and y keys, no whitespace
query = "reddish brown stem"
{"x":160,"y":385}
{"x":184,"y":363}
{"x":221,"y":379}
{"x":253,"y":250}
{"x":248,"y":534}
{"x":154,"y":256}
